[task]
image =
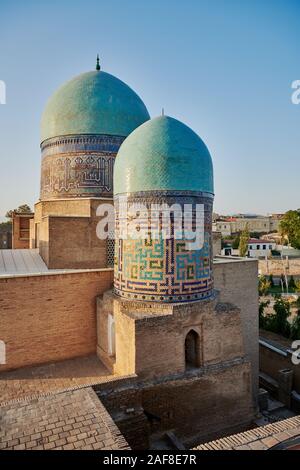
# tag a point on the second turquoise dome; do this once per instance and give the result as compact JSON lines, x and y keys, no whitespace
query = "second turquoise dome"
{"x":93,"y":103}
{"x":163,"y":154}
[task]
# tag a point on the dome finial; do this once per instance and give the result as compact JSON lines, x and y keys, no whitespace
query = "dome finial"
{"x":162,"y":111}
{"x":98,"y":65}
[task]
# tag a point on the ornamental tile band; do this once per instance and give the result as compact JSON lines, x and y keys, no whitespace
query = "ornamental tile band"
{"x":78,"y":166}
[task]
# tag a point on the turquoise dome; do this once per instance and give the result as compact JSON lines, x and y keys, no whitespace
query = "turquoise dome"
{"x":163,"y":154}
{"x":93,"y":103}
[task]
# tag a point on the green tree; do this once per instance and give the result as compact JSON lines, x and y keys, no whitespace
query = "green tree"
{"x":271,"y":280}
{"x":256,"y":234}
{"x":297,"y":286}
{"x":278,"y":321}
{"x":24,"y":208}
{"x":262,"y":317}
{"x":295,"y":327}
{"x":236,"y":242}
{"x":6,"y":226}
{"x":290,"y":227}
{"x":292,"y":284}
{"x":243,"y":244}
{"x":263,"y":285}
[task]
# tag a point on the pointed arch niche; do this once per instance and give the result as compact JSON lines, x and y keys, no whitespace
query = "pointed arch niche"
{"x":192,"y":350}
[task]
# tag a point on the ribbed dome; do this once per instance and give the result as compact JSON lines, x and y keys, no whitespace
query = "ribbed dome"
{"x":93,"y":103}
{"x":163,"y":154}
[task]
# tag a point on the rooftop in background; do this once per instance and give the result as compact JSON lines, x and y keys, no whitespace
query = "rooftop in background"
{"x":261,"y":438}
{"x":29,"y":263}
{"x":234,"y":217}
{"x":258,"y":241}
{"x":21,"y":262}
{"x":232,"y":259}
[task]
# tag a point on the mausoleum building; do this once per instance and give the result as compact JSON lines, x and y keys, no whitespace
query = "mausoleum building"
{"x":156,"y":326}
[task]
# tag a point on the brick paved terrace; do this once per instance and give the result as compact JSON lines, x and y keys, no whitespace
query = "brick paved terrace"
{"x":50,"y":378}
{"x":65,"y":421}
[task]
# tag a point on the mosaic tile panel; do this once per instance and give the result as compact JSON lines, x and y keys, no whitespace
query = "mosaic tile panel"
{"x":163,"y":269}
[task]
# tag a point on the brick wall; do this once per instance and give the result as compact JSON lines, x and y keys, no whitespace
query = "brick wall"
{"x":271,"y":362}
{"x":73,"y":243}
{"x":141,"y":329}
{"x":65,"y":233}
{"x":277,"y":266}
{"x":222,"y":395}
{"x":20,"y":230}
{"x":46,"y":318}
{"x":237,"y":282}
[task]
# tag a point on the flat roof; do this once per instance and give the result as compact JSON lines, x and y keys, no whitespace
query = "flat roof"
{"x":222,"y":259}
{"x":28,"y":262}
{"x":21,"y":262}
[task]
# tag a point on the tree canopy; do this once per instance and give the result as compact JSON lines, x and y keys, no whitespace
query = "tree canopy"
{"x":243,"y":244}
{"x":290,"y":227}
{"x":22,"y":209}
{"x":263,"y":285}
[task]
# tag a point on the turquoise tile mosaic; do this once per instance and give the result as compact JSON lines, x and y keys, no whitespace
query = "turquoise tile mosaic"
{"x":93,"y":103}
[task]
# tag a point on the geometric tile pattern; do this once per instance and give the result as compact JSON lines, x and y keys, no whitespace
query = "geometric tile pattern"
{"x":164,"y":269}
{"x":110,"y":251}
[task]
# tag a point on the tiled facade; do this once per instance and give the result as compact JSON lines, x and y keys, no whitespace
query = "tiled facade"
{"x":78,"y":166}
{"x":162,"y":268}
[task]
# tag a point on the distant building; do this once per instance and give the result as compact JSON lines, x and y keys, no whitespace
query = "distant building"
{"x":260,"y":248}
{"x":20,"y":229}
{"x":231,"y":225}
{"x":177,"y":337}
{"x":257,"y":248}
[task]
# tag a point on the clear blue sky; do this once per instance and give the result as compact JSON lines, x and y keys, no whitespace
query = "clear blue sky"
{"x":224,"y":67}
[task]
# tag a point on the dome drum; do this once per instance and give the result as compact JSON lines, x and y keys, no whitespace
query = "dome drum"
{"x":78,"y":166}
{"x":163,"y":269}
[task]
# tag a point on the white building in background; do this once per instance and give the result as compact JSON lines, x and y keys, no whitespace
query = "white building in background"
{"x":260,"y":248}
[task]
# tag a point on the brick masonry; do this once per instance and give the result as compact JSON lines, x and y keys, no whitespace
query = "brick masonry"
{"x":237,"y":283}
{"x":261,"y":438}
{"x":278,"y":267}
{"x":271,"y":361}
{"x":221,"y":393}
{"x":172,"y":395}
{"x":66,"y":421}
{"x":46,"y":318}
{"x":65,"y":232}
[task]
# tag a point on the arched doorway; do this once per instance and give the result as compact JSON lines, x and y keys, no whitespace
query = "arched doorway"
{"x":192,"y":350}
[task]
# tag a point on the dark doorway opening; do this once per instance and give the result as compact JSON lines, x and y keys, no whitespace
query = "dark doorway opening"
{"x":192,"y":350}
